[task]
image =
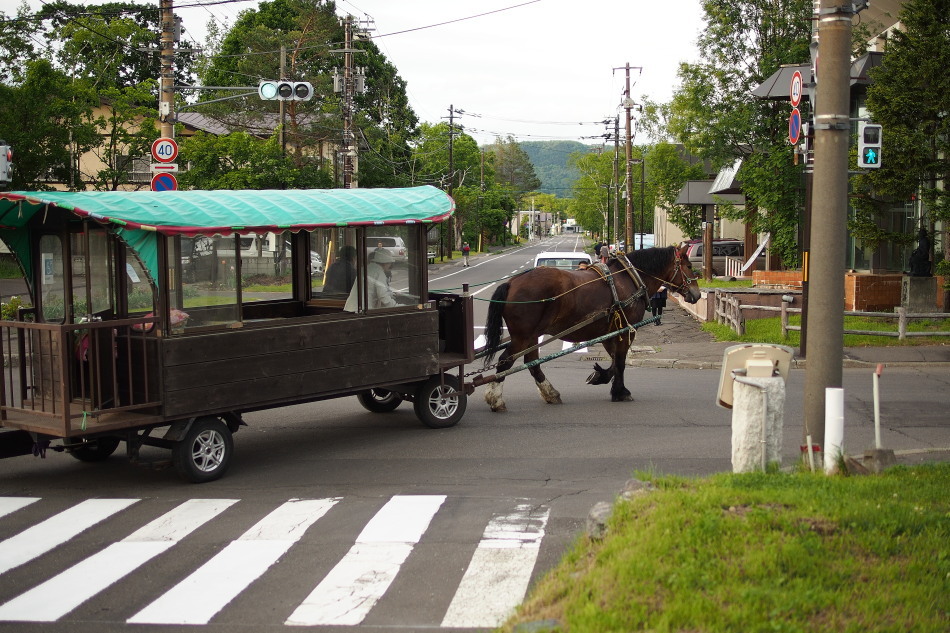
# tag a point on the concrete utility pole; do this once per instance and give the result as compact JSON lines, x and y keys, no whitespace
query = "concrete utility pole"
{"x":826,"y":262}
{"x":166,"y":84}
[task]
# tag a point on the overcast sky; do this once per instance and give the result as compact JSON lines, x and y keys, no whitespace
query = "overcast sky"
{"x":533,"y":69}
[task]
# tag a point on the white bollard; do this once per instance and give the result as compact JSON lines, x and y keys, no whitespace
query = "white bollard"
{"x":758,"y":414}
{"x":834,"y":426}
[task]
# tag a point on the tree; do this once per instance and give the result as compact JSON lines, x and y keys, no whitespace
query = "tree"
{"x":592,"y":206}
{"x":46,"y":120}
{"x":310,"y":30}
{"x":910,"y":97}
{"x":241,"y":161}
{"x":513,"y":167}
{"x":715,"y":117}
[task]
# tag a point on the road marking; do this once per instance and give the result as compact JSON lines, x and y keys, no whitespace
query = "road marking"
{"x":197,"y":598}
{"x":56,"y":530}
{"x":497,"y":576}
{"x":12,"y":504}
{"x":61,"y":594}
{"x":351,"y":589}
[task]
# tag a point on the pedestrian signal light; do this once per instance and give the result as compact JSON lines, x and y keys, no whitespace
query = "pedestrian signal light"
{"x":285,"y":90}
{"x":869,"y":145}
{"x":6,"y":163}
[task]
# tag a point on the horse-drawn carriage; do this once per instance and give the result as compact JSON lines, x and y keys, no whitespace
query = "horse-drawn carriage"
{"x":147,"y":326}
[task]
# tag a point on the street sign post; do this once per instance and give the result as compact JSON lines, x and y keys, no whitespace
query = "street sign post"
{"x":164,"y":182}
{"x":165,"y":150}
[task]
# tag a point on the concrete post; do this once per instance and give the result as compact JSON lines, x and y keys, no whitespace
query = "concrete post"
{"x":758,"y":415}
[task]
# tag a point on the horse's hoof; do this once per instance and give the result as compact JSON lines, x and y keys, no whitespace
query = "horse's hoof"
{"x":554,"y":401}
{"x":624,"y":398}
{"x":499,"y":409}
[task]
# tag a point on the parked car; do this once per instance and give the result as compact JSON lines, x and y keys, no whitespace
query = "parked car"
{"x":395,"y":245}
{"x":722,"y":248}
{"x":568,"y":260}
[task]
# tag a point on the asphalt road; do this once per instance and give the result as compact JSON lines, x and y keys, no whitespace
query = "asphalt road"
{"x":345,"y":520}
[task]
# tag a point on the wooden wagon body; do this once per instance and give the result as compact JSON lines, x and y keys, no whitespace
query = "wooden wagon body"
{"x":142,"y":329}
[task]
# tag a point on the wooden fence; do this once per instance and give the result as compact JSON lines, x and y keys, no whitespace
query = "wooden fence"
{"x":729,"y":312}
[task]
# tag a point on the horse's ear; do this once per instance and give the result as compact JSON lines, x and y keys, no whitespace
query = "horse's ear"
{"x":682,"y":250}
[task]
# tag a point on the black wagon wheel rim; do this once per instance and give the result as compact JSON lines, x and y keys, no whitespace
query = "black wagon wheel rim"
{"x":208,"y":451}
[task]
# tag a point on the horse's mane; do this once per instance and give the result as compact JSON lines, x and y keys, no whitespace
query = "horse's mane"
{"x":652,"y":260}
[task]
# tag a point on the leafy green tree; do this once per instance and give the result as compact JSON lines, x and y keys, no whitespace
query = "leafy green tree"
{"x":715,"y":117}
{"x":46,"y":120}
{"x":910,"y":97}
{"x":592,"y":205}
{"x":126,"y":129}
{"x":513,"y":167}
{"x":241,"y":161}
{"x":309,"y":30}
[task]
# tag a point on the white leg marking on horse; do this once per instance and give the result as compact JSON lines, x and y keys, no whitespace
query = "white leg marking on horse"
{"x":548,"y":393}
{"x":493,"y":397}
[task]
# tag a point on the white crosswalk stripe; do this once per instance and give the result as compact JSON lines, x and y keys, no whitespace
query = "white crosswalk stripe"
{"x":351,"y":589}
{"x":199,"y":597}
{"x":494,"y":582}
{"x":58,"y":596}
{"x":497,"y":578}
{"x":56,"y":530}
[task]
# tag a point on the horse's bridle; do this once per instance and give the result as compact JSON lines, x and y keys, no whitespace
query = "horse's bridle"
{"x":680,"y":288}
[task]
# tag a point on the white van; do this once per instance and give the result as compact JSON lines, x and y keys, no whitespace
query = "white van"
{"x":568,"y":260}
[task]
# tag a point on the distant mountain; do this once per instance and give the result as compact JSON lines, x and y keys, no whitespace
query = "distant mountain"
{"x":550,"y":164}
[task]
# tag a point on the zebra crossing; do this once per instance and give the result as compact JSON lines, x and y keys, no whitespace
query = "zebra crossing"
{"x":493,"y":584}
{"x":480,"y":341}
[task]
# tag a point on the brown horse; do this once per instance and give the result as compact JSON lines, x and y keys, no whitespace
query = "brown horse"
{"x":552,"y":301}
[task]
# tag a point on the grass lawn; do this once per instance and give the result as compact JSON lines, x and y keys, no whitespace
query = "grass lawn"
{"x":762,"y":552}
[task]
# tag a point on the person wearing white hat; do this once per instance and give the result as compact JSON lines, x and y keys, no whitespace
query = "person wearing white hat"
{"x":378,"y":292}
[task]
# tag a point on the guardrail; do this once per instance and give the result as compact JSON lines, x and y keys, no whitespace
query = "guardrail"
{"x":729,"y":312}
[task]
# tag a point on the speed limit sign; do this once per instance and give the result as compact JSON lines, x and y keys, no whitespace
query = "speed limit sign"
{"x":165,"y":150}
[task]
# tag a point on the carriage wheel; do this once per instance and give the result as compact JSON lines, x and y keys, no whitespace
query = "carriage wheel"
{"x":435,"y":408}
{"x":379,"y":400}
{"x":205,"y":452}
{"x":95,"y":450}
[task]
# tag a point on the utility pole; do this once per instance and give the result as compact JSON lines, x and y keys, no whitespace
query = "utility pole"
{"x":166,"y":84}
{"x":451,"y":182}
{"x":628,"y":105}
{"x":616,"y":178}
{"x":829,"y":215}
{"x":353,"y":79}
{"x":282,"y":105}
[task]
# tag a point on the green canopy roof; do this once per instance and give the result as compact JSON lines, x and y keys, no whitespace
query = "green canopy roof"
{"x":225,"y":211}
{"x":138,"y":215}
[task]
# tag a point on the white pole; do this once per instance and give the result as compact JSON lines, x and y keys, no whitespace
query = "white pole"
{"x":877,"y":406}
{"x":834,"y":426}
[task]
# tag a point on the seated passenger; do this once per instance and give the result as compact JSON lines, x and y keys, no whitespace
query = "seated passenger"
{"x":379,"y":294}
{"x":342,"y":273}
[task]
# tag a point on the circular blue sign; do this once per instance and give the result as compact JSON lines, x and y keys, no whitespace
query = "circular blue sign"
{"x":794,"y":126}
{"x":164,"y":182}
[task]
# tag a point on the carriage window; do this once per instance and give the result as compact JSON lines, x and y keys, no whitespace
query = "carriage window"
{"x":202,"y":281}
{"x":393,"y":275}
{"x":92,"y":272}
{"x":52,"y":279}
{"x":266,"y":266}
{"x":141,"y":296}
{"x":332,"y":262}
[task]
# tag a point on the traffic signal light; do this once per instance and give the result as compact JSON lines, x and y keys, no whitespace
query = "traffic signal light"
{"x":869,"y":145}
{"x":6,"y":162}
{"x":285,"y":90}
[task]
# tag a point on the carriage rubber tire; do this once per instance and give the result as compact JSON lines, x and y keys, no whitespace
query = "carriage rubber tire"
{"x":204,"y":454}
{"x":435,"y":410}
{"x":379,"y":400}
{"x":99,"y":449}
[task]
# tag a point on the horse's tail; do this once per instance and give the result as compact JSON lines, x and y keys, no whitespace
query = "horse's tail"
{"x":493,"y":325}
